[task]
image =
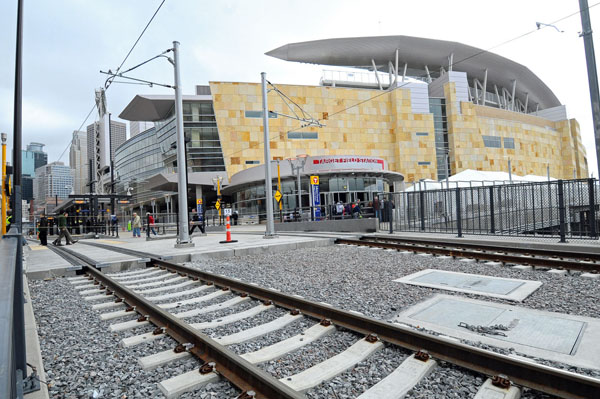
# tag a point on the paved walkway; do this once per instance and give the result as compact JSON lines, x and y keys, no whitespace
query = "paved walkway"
{"x":41,"y":262}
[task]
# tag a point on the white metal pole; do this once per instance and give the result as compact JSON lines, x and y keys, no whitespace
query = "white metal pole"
{"x":270,"y":232}
{"x":184,"y":235}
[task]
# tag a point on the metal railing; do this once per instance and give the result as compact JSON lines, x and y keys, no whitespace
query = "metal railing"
{"x":14,"y":381}
{"x":554,"y":209}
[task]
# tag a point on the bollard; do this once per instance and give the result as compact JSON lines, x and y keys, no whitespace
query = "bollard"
{"x":228,"y":234}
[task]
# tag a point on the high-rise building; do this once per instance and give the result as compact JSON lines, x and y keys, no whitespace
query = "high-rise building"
{"x":52,"y":182}
{"x":32,"y":158}
{"x":136,"y":127}
{"x":78,"y":161}
{"x":99,"y":140}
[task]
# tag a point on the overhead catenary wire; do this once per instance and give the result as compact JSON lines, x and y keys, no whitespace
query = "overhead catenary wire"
{"x":138,"y":39}
{"x":120,"y":66}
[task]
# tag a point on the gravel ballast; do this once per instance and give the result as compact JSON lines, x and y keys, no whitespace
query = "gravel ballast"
{"x":81,"y":359}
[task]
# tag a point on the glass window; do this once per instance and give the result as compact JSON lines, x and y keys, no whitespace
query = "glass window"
{"x":422,"y":134}
{"x":259,"y":114}
{"x":492,"y":141}
{"x":509,"y":143}
{"x":424,"y":163}
{"x":303,"y":135}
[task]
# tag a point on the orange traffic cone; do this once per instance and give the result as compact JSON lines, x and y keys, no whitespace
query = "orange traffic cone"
{"x":228,"y":236}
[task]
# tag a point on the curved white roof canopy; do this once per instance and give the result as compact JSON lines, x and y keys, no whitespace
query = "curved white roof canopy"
{"x":417,"y":52}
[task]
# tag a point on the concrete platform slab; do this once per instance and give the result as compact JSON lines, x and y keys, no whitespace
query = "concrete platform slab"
{"x":590,"y":275}
{"x":554,"y":336}
{"x":178,"y":294}
{"x":489,"y":391}
{"x":187,"y":382}
{"x":497,"y":287}
{"x":558,"y":272}
{"x":32,"y":344}
{"x":522,"y":267}
{"x":258,"y":331}
{"x":232,"y":317}
{"x":400,"y":381}
{"x":331,"y":367}
{"x":45,"y":263}
{"x":158,"y":359}
{"x":279,"y":349}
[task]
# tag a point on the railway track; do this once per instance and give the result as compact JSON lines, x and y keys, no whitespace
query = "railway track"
{"x":136,"y":292}
{"x":543,"y":258}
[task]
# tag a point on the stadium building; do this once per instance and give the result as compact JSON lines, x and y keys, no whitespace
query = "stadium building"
{"x":409,"y":109}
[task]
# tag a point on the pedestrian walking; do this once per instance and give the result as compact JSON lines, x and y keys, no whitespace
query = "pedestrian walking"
{"x":196,"y":222}
{"x":62,"y":226}
{"x":136,"y":225}
{"x":151,"y":223}
{"x":356,"y":211}
{"x":43,"y":230}
{"x":377,"y":207}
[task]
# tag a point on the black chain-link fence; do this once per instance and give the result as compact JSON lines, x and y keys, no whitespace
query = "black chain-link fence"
{"x":564,"y":209}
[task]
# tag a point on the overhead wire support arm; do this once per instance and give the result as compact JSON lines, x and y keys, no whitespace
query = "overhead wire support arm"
{"x":120,"y":75}
{"x":306,"y":117}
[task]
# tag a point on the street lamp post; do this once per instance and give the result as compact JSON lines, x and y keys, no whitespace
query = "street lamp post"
{"x":270,"y":231}
{"x":183,"y":239}
{"x":297,"y":164}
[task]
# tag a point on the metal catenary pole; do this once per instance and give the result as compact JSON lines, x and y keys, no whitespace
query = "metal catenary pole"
{"x":113,"y":211}
{"x":17,"y":124}
{"x":184,"y":234}
{"x":4,"y":193}
{"x":270,"y":232}
{"x":590,"y":57}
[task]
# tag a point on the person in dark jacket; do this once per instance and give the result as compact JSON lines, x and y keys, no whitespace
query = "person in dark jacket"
{"x":377,"y":207}
{"x":62,"y":226}
{"x":196,"y":222}
{"x":43,"y":229}
{"x":356,"y":210}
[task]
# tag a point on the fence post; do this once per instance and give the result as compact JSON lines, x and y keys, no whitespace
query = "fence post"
{"x":458,"y":213}
{"x":561,"y":211}
{"x":422,"y":209}
{"x":592,"y":199}
{"x":492,"y":221}
{"x":390,"y":206}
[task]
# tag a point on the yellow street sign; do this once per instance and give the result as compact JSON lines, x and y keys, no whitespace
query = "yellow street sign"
{"x":199,"y":201}
{"x":218,"y":205}
{"x":278,"y":196}
{"x":314,"y":180}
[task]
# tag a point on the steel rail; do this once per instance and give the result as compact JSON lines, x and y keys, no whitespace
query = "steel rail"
{"x":562,"y":253}
{"x":542,"y":378}
{"x":489,"y":256}
{"x":232,"y":367}
{"x":553,"y":381}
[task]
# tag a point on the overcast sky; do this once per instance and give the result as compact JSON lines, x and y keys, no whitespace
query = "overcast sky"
{"x":67,"y":42}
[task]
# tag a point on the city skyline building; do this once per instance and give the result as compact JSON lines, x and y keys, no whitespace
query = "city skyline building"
{"x":32,"y":158}
{"x":52,"y":182}
{"x":78,"y":162}
{"x":101,"y":147}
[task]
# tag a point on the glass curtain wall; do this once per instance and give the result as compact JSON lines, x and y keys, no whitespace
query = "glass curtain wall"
{"x":437,"y":106}
{"x":204,"y":152}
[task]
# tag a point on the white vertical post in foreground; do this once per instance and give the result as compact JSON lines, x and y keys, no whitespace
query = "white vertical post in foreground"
{"x":184,"y":234}
{"x":270,"y":232}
